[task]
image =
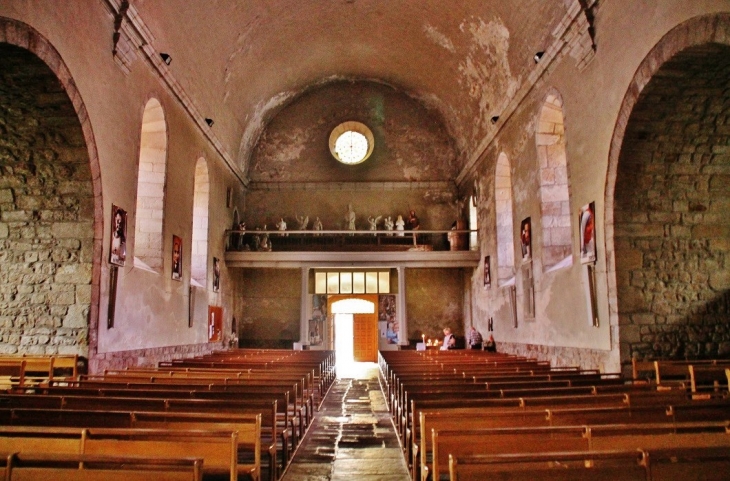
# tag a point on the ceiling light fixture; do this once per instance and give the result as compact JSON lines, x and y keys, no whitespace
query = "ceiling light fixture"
{"x":495,"y":119}
{"x":166,"y":58}
{"x":538,"y":56}
{"x":209,"y":122}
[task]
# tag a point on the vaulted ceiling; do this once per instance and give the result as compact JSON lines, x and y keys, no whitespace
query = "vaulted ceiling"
{"x":242,"y":61}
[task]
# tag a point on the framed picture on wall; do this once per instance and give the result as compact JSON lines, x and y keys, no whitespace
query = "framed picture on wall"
{"x":526,"y":240}
{"x":487,"y":273}
{"x":587,"y":226}
{"x":216,"y":274}
{"x":118,"y":247}
{"x":176,"y":258}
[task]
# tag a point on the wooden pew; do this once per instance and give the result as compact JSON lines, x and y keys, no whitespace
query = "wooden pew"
{"x":573,"y":439}
{"x":627,"y":465}
{"x":32,"y":466}
{"x":218,"y":449}
{"x":12,"y":373}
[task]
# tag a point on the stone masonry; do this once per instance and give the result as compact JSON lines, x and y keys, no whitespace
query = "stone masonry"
{"x":46,"y":213}
{"x":672,"y":229}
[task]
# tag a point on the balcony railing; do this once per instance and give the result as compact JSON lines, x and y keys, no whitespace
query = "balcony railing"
{"x":349,"y":240}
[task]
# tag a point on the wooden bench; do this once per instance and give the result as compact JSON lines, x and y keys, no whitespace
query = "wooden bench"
{"x":32,"y":466}
{"x":573,"y":439}
{"x":708,"y":464}
{"x":12,"y":373}
{"x":218,"y":449}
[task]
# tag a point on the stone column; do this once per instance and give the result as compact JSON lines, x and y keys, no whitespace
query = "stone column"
{"x":306,"y":308}
{"x":401,"y":312}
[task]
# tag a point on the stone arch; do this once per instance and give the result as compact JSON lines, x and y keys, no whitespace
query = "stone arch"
{"x":505,"y":219}
{"x":201,"y":199}
{"x":554,"y":188}
{"x":151,"y":188}
{"x":664,"y":219}
{"x":76,"y":260}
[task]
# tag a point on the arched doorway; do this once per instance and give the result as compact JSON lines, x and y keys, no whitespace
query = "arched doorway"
{"x":355,"y":322}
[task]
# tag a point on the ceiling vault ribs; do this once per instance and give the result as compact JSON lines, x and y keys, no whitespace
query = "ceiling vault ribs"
{"x":575,"y":36}
{"x":131,"y":34}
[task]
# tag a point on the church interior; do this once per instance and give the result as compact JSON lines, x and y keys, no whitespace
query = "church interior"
{"x":180,"y":179}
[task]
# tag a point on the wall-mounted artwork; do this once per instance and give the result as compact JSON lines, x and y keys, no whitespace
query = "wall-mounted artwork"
{"x":526,"y":240}
{"x":118,"y":248}
{"x":216,"y":274}
{"x":176,"y":258}
{"x":487,"y":273}
{"x":386,"y":314}
{"x":587,"y":225}
{"x":215,"y":323}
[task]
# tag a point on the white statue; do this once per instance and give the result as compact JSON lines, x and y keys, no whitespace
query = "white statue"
{"x":265,"y":243}
{"x":350,"y":217}
{"x":389,"y":223}
{"x":374,"y":222}
{"x":281,"y":225}
{"x":400,"y":225}
{"x":318,"y":225}
{"x":303,"y":222}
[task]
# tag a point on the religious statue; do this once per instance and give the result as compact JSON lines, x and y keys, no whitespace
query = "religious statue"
{"x":400,"y":225}
{"x":281,"y":225}
{"x":318,"y":225}
{"x":350,"y":217}
{"x":265,"y":243}
{"x":257,"y":239}
{"x":374,"y":222}
{"x":303,"y":221}
{"x":413,"y":223}
{"x":389,"y":223}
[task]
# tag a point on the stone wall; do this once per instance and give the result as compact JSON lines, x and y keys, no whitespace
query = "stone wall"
{"x":46,"y":223}
{"x":272,"y":306}
{"x":672,"y":231}
{"x":434,"y":301}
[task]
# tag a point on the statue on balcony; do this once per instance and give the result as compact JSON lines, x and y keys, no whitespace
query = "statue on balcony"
{"x":241,"y":235}
{"x":389,"y":223}
{"x":265,"y":243}
{"x":350,"y":218}
{"x":400,"y":226}
{"x":281,"y":225}
{"x":318,"y":225}
{"x":374,"y":222}
{"x":303,"y":221}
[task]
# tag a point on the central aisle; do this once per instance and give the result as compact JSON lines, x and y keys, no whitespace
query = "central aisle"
{"x":352,"y":436}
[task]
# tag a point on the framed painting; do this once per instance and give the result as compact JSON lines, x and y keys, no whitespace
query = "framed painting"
{"x":587,"y":226}
{"x":487,"y":272}
{"x":176,"y":258}
{"x":216,"y":274}
{"x":118,"y":247}
{"x":526,"y":240}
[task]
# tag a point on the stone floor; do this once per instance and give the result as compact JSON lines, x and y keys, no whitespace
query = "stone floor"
{"x":352,"y":436}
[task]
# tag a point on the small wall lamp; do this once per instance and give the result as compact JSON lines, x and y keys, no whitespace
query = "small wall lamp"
{"x":538,"y":56}
{"x":166,"y":58}
{"x":209,"y":122}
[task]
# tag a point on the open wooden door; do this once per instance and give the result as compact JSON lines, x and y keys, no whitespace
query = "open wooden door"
{"x":365,"y":342}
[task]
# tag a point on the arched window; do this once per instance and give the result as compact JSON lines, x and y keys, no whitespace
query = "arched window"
{"x":151,"y":188}
{"x":554,"y":195}
{"x":201,"y":195}
{"x":505,"y":221}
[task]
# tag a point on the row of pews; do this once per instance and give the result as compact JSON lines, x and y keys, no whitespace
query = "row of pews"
{"x":472,"y":415}
{"x":237,"y":414}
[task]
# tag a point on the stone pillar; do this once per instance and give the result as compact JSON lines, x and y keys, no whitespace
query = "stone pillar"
{"x":401,"y":307}
{"x":306,"y":310}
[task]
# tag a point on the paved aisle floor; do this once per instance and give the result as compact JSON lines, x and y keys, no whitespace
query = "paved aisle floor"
{"x":352,"y":436}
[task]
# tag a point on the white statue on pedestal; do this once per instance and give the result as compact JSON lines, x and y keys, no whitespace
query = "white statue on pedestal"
{"x":281,"y":225}
{"x":350,"y":217}
{"x":303,"y":221}
{"x":400,"y":226}
{"x":374,"y":222}
{"x":318,"y":225}
{"x":389,"y":223}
